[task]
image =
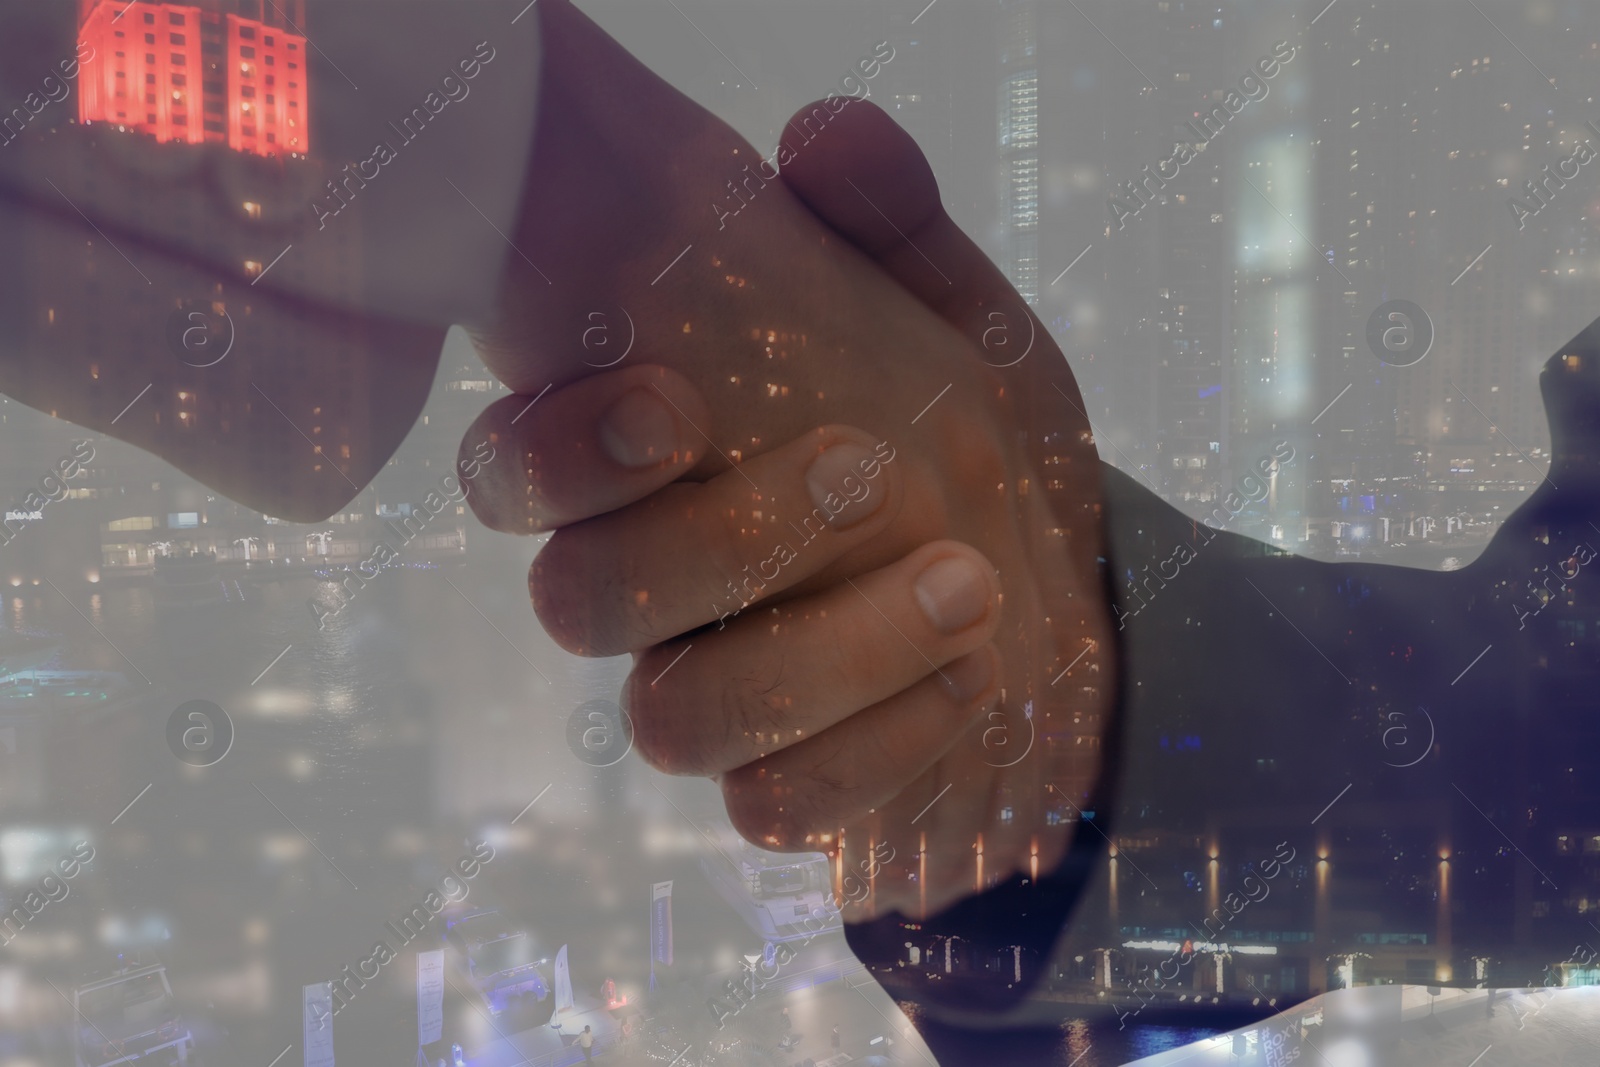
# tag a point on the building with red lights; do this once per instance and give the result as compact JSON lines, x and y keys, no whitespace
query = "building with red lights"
{"x":227,"y":71}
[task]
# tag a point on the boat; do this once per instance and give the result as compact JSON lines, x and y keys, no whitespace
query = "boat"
{"x":499,"y":960}
{"x":39,"y":690}
{"x":130,"y":1016}
{"x":773,"y":892}
{"x":192,"y":581}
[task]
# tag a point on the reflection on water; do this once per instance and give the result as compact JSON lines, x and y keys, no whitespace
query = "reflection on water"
{"x":1149,"y":1040}
{"x":363,"y":756}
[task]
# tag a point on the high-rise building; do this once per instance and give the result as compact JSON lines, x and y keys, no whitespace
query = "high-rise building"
{"x":278,"y":406}
{"x":917,"y":87}
{"x":1191,"y":227}
{"x":229,"y":72}
{"x":1416,"y":452}
{"x":1017,"y":38}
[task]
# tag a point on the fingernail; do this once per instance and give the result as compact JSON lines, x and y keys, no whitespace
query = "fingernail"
{"x":841,"y":489}
{"x":969,"y":676}
{"x":639,"y":430}
{"x":953,"y":594}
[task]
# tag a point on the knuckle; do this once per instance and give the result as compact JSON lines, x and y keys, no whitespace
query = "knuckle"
{"x":568,"y":593}
{"x":787,"y":806}
{"x":554,"y":601}
{"x":591,"y":595}
{"x":760,"y":712}
{"x":767,"y":809}
{"x":755,"y":815}
{"x":669,"y":737}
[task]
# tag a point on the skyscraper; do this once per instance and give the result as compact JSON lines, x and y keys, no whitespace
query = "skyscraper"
{"x":1191,"y":227}
{"x":1017,"y":38}
{"x":229,"y":72}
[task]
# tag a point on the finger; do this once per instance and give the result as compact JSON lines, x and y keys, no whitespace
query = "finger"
{"x":790,"y":671}
{"x":790,"y":799}
{"x":545,"y":461}
{"x":696,"y":553}
{"x":869,"y":181}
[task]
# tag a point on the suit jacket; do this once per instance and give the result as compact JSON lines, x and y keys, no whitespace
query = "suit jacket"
{"x":1317,"y":764}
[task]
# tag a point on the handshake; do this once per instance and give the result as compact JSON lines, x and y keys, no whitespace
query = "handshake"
{"x":838,"y":543}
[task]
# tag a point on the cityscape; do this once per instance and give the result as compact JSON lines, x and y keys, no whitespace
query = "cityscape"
{"x":1337,"y":326}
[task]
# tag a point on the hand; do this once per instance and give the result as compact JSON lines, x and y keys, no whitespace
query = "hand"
{"x":837,"y":677}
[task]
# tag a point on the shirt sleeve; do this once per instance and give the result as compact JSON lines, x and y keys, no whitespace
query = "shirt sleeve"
{"x":266,"y":212}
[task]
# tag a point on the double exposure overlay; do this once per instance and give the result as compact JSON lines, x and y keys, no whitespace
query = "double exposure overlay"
{"x":728,"y":532}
